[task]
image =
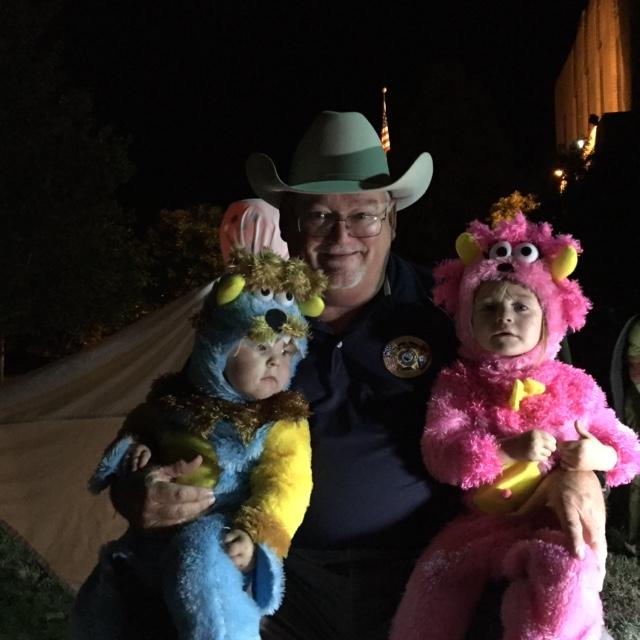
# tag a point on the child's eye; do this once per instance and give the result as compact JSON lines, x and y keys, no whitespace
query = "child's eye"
{"x":261,"y":347}
{"x":518,"y":306}
{"x":487,"y":308}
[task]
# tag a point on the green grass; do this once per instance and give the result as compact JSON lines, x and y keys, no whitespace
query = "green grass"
{"x":621,"y":596}
{"x":35,"y":606}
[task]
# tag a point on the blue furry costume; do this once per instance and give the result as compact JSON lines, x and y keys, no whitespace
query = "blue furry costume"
{"x":256,"y":458}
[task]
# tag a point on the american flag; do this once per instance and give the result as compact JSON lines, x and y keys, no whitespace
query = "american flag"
{"x":384,"y":131}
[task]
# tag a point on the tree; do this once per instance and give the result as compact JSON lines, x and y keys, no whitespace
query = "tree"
{"x":184,"y":251}
{"x":69,"y":260}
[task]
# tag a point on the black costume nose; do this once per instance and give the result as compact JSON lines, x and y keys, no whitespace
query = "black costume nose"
{"x":505,"y":267}
{"x":275,"y":319}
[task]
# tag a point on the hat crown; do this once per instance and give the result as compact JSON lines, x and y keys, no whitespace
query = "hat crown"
{"x":340,"y":153}
{"x":339,"y":146}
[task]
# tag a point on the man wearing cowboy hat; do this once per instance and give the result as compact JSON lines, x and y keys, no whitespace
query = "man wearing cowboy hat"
{"x":375,"y":351}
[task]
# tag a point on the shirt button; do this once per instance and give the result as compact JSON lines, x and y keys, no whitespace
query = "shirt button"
{"x":339,"y":345}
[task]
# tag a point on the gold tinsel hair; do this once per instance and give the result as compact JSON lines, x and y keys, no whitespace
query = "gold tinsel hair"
{"x":506,"y":208}
{"x":267,"y":270}
{"x":261,"y":333}
{"x":295,"y":327}
{"x":303,"y":281}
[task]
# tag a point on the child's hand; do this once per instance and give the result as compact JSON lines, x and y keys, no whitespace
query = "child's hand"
{"x":138,"y":456}
{"x":535,"y":445}
{"x":240,"y":548}
{"x":586,"y":454}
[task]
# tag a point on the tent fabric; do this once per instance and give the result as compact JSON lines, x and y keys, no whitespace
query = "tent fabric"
{"x":56,"y":422}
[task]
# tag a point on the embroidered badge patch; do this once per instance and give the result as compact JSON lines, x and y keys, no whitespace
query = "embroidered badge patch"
{"x":406,"y":356}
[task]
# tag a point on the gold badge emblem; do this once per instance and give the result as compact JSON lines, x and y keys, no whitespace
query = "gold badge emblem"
{"x":407,"y":357}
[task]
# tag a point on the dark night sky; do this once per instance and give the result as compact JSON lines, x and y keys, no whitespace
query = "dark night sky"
{"x":199,"y":84}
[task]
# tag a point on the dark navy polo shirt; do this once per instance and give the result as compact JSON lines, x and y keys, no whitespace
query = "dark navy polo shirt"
{"x":371,"y":489}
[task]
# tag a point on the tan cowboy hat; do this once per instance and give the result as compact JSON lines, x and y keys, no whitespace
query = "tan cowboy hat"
{"x":340,"y":153}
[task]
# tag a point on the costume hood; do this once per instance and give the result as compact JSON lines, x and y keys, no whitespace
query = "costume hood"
{"x":261,"y":297}
{"x":522,"y":252}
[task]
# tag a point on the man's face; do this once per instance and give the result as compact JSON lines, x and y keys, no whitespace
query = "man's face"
{"x":355,"y":266}
{"x":257,"y":371}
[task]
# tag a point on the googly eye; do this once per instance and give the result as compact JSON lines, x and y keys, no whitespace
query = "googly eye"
{"x":500,"y":249}
{"x":264,"y":294}
{"x":285,"y":298}
{"x":526,"y":252}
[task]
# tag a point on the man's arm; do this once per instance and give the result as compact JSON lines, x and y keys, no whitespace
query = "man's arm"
{"x":150,"y":500}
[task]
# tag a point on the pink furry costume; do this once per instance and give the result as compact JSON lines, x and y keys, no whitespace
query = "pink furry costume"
{"x":550,"y":593}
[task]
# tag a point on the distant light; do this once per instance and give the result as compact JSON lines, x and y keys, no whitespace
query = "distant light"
{"x":563,"y":185}
{"x":558,"y":173}
{"x":580,"y":143}
{"x":590,"y":143}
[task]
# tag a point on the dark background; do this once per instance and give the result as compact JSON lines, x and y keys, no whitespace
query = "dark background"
{"x":199,"y":84}
{"x":195,"y":86}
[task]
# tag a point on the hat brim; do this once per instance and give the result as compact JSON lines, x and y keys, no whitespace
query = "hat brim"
{"x":406,"y":190}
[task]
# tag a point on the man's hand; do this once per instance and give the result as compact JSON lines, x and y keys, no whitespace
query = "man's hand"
{"x":240,"y":548}
{"x":535,"y":445}
{"x":587,"y":453}
{"x":576,"y":499}
{"x":150,"y":500}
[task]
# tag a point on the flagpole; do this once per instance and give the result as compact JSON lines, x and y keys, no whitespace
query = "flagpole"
{"x":384,"y":131}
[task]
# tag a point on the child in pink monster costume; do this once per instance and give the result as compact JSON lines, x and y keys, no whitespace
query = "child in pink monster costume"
{"x":504,"y":414}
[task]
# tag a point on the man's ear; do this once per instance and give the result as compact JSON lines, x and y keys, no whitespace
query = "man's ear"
{"x":393,"y":220}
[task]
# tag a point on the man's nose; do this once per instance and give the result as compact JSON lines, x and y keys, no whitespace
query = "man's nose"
{"x":339,"y":230}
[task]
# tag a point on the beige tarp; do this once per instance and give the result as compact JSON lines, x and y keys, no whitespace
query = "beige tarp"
{"x":55,"y":424}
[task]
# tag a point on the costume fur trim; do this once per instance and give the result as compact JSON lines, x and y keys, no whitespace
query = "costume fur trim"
{"x":263,"y":528}
{"x":199,"y":413}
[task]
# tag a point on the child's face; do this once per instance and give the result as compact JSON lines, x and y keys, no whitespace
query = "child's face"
{"x":507,"y":318}
{"x":257,"y":371}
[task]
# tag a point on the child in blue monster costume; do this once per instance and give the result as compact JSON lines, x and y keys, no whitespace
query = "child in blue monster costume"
{"x":220,"y":573}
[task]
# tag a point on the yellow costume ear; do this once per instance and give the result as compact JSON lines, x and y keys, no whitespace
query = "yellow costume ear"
{"x":564,"y":263}
{"x":230,"y":289}
{"x":312,"y":307}
{"x":468,"y":249}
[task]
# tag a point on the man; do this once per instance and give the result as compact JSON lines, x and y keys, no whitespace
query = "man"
{"x":375,"y":351}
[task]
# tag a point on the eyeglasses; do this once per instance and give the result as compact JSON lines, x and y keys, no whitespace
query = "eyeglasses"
{"x":363,"y":224}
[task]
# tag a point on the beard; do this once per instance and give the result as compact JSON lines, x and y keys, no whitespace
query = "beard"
{"x":345,"y":279}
